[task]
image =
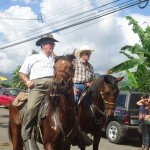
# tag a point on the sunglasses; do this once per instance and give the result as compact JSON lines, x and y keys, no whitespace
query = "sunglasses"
{"x":86,"y":53}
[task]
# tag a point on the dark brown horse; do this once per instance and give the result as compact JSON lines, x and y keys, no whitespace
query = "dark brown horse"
{"x":96,"y":105}
{"x":58,"y":127}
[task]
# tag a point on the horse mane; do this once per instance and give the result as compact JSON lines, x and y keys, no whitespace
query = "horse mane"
{"x":70,"y":57}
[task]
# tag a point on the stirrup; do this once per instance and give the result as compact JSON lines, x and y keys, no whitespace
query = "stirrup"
{"x":31,"y":145}
{"x":87,"y":141}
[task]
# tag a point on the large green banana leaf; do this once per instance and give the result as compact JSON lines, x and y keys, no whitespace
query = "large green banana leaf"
{"x":126,"y":65}
{"x":136,"y":49}
{"x":132,"y":80}
{"x":144,"y":37}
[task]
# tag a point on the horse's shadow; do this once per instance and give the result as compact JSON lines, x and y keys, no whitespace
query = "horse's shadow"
{"x":132,"y":141}
{"x":3,"y":125}
{"x":4,"y":116}
{"x":129,"y":141}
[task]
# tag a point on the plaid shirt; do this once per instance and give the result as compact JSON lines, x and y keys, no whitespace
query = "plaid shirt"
{"x":38,"y":66}
{"x":83,"y":74}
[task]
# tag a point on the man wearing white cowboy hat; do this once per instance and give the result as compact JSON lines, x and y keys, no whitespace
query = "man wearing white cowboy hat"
{"x":83,"y":76}
{"x":37,"y":73}
{"x":84,"y":73}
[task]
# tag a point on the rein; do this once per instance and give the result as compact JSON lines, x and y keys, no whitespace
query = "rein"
{"x":107,"y":105}
{"x":56,"y":98}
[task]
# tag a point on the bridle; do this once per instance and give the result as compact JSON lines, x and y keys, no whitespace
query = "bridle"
{"x":67,"y":77}
{"x":107,"y":105}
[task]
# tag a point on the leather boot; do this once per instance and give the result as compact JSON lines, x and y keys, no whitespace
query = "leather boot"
{"x":31,"y":145}
{"x":86,"y":140}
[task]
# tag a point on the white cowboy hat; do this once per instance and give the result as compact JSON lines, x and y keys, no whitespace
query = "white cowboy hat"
{"x":77,"y":53}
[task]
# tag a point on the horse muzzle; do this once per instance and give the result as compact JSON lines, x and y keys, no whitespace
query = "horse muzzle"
{"x":60,"y":86}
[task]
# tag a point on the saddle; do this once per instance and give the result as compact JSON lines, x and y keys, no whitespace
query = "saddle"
{"x":83,"y":93}
{"x":20,"y":100}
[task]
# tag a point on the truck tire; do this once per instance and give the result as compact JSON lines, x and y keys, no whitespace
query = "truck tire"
{"x":114,"y":132}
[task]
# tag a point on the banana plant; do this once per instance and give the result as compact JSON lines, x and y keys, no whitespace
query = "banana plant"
{"x":141,"y":61}
{"x":142,"y":51}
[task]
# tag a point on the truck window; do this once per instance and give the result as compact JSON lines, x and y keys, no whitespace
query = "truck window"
{"x":133,"y":100}
{"x":121,"y":100}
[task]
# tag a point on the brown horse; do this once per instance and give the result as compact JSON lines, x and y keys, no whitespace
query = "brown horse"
{"x":58,"y":127}
{"x":96,"y":105}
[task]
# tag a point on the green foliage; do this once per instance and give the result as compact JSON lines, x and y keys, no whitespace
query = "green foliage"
{"x":124,"y":85}
{"x":132,"y":80}
{"x":16,"y":82}
{"x":142,"y":75}
{"x":125,"y":65}
{"x":5,"y":83}
{"x":141,"y":79}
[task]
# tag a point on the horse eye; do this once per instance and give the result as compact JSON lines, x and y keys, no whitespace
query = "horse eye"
{"x":106,"y":93}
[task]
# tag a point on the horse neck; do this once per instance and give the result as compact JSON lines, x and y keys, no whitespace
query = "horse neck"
{"x":96,"y":96}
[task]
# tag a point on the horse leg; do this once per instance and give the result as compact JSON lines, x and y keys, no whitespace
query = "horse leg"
{"x":82,"y":148}
{"x":97,"y":138}
{"x":48,"y":146}
{"x":16,"y":137}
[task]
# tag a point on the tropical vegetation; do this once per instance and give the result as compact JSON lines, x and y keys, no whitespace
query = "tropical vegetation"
{"x":140,"y":79}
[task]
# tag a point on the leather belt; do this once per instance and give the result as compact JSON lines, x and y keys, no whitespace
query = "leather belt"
{"x":49,"y":77}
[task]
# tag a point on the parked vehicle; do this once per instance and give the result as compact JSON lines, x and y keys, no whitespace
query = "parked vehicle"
{"x":7,"y":95}
{"x":125,"y":121}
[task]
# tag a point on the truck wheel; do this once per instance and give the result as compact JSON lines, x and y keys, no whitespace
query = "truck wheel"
{"x":114,"y":132}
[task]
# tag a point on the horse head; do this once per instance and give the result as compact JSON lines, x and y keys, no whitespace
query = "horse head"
{"x":109,"y":92}
{"x":63,"y":73}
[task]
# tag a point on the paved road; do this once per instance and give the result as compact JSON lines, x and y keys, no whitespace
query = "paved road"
{"x":5,"y":144}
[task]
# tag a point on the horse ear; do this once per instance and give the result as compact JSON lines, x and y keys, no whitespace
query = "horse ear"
{"x":57,"y":58}
{"x":119,"y":79}
{"x":106,"y":79}
{"x":73,"y":53}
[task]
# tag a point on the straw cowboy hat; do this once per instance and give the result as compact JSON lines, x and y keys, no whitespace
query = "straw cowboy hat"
{"x":46,"y":37}
{"x":77,"y":53}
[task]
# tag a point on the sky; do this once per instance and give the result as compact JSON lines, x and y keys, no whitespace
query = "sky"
{"x":106,"y":34}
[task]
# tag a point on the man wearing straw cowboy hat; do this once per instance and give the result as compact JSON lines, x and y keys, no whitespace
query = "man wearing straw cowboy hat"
{"x":84,"y":73}
{"x":39,"y":68}
{"x":83,"y":77}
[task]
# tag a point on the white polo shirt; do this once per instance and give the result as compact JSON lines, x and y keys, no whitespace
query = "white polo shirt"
{"x":38,"y":66}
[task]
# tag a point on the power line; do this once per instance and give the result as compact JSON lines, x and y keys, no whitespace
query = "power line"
{"x":77,"y":23}
{"x":54,"y":17}
{"x":70,"y":19}
{"x":74,"y":24}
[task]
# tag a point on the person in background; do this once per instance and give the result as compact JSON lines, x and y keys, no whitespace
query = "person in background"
{"x":84,"y":72}
{"x":144,"y":116}
{"x":37,"y":73}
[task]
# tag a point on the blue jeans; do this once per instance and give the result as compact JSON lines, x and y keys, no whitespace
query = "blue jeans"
{"x":79,"y":87}
{"x":145,"y":134}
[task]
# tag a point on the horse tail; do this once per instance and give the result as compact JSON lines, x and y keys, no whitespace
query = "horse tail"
{"x":9,"y":130}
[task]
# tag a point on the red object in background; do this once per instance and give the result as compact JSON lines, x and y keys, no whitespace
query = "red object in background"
{"x":7,"y":95}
